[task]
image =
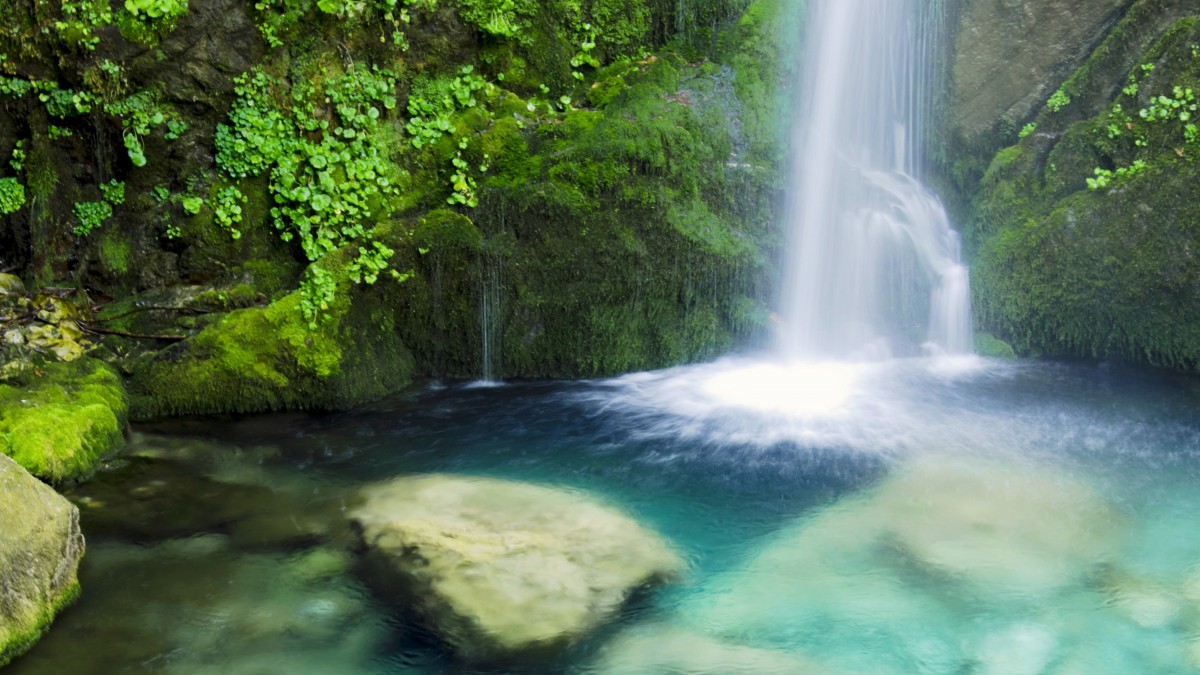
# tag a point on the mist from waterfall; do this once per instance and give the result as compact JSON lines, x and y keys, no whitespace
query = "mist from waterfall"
{"x":873,"y":268}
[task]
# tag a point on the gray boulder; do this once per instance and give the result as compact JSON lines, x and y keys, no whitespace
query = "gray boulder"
{"x":40,"y":549}
{"x":499,"y":568}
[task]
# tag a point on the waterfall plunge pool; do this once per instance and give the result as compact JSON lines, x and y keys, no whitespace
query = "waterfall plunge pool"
{"x":909,"y":516}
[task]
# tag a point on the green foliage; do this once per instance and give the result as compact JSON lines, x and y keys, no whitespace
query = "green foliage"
{"x":433,"y":102}
{"x":1105,"y":178}
{"x":227,"y":210}
{"x":462,"y":183}
{"x":91,"y":215}
{"x":12,"y":195}
{"x":1058,"y":101}
{"x":503,"y":18}
{"x":278,"y":17}
{"x":157,"y":9}
{"x":318,"y":292}
{"x":113,"y":191}
{"x":328,"y":159}
{"x":141,"y":113}
{"x":192,"y":204}
{"x":80,"y":20}
{"x":1027,"y":130}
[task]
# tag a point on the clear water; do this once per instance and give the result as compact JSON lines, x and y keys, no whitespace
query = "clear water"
{"x":912,"y":516}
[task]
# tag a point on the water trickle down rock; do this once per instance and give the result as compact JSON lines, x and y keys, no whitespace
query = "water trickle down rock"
{"x":499,"y":568}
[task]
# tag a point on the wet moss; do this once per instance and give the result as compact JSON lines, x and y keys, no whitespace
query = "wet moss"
{"x":1106,"y":272}
{"x":270,"y":358}
{"x":59,"y":426}
{"x":608,"y":240}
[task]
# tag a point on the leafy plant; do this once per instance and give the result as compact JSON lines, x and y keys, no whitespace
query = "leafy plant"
{"x":327,"y":157}
{"x":141,"y":113}
{"x":91,"y":215}
{"x":228,"y":209}
{"x":1027,"y":130}
{"x":80,"y":19}
{"x":12,"y":195}
{"x":318,"y":291}
{"x":1104,"y":178}
{"x":157,"y":9}
{"x":433,"y":102}
{"x":192,"y":205}
{"x":1058,"y":101}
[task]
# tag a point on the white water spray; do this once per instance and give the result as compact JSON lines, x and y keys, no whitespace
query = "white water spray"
{"x":872,"y":262}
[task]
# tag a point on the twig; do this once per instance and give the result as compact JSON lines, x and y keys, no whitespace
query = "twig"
{"x":158,"y":308}
{"x":139,"y":336}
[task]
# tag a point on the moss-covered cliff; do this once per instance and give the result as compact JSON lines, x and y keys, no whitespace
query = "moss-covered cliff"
{"x":1083,"y":233}
{"x":387,"y":189}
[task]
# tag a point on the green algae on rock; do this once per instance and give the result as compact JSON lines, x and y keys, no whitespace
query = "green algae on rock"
{"x":61,"y":423}
{"x":40,"y":549}
{"x":501,"y":569}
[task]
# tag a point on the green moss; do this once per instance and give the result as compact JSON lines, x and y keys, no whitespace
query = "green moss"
{"x":269,"y":358}
{"x":115,"y":254}
{"x":606,"y":240}
{"x":21,"y":642}
{"x":62,"y":424}
{"x":991,"y":346}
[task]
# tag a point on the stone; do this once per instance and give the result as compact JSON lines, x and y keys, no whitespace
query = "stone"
{"x":499,"y":568}
{"x":11,"y":285}
{"x":40,"y":548}
{"x":1010,"y":55}
{"x":895,"y":561}
{"x":664,"y":650}
{"x":1004,"y":526}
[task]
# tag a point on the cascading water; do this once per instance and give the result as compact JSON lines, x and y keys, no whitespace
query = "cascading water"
{"x":872,"y":262}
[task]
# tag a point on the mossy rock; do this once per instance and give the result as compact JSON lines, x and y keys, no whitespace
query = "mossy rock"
{"x":40,"y":548}
{"x":60,"y":425}
{"x":1107,"y":270}
{"x":271,"y":358}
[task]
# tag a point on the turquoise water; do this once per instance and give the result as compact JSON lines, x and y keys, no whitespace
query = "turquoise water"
{"x":913,"y":516}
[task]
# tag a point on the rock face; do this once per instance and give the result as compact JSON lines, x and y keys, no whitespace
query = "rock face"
{"x":498,"y":568}
{"x":1011,"y":54}
{"x":40,"y":548}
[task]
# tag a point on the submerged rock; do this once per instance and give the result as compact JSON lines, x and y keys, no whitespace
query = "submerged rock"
{"x":664,"y":650}
{"x":891,"y":572}
{"x":1013,"y":527}
{"x":498,"y":568}
{"x":150,"y":499}
{"x":40,"y":548}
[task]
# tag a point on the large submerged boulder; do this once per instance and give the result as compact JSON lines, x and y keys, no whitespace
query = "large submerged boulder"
{"x":40,"y":549}
{"x":499,"y":568}
{"x":893,"y":567}
{"x":664,"y":649}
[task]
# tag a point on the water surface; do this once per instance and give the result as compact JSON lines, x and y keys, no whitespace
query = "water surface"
{"x":910,"y":516}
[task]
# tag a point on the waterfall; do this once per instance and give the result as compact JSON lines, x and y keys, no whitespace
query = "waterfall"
{"x":873,"y":268}
{"x":490,"y":319}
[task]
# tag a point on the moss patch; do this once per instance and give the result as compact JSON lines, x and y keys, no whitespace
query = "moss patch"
{"x":61,"y":424}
